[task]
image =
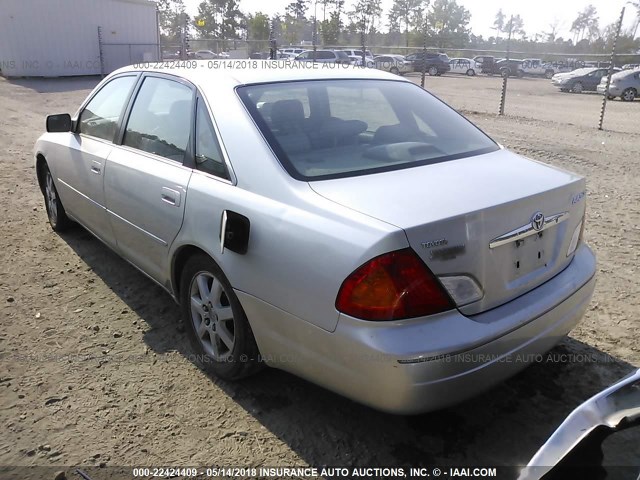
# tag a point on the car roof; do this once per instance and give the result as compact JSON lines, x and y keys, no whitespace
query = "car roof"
{"x":265,"y":71}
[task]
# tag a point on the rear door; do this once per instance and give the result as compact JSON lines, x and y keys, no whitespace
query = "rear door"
{"x":146,"y":181}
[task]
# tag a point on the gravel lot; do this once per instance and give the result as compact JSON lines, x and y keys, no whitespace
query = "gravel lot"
{"x":93,"y":366}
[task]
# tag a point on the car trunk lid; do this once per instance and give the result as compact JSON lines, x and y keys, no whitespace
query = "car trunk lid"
{"x":473,"y":217}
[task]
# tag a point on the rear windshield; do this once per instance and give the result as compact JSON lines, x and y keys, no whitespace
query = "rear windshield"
{"x":325,"y":129}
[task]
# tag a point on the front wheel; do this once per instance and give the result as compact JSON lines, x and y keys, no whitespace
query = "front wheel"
{"x":433,"y":71}
{"x":629,"y":95}
{"x":55,"y":211}
{"x":395,"y":70}
{"x":215,"y":321}
{"x":471,"y":72}
{"x":548,"y":74}
{"x":577,"y":87}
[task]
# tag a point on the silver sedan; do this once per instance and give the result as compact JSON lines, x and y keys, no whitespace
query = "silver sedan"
{"x":338,"y":223}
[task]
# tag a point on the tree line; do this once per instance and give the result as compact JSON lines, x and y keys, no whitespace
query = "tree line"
{"x":409,"y":23}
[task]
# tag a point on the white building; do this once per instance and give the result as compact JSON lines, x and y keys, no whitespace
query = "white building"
{"x":51,"y":38}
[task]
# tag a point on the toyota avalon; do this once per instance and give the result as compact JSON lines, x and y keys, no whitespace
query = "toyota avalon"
{"x":341,"y":224}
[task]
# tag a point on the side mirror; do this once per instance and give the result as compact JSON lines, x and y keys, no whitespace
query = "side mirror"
{"x":59,"y":123}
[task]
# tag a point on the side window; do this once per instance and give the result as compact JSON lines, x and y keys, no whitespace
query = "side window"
{"x":100,"y":117}
{"x":209,"y":157}
{"x":304,"y":56}
{"x":160,"y":120}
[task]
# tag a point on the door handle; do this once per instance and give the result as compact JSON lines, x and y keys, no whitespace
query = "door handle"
{"x":96,"y":167}
{"x":170,"y":196}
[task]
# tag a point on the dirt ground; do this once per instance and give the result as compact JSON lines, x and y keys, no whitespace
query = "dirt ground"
{"x":94,"y":367}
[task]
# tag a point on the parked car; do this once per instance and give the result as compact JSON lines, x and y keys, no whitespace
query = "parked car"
{"x":293,"y":52}
{"x":464,"y":66}
{"x":368,"y":56}
{"x":480,"y":59}
{"x":502,"y":67}
{"x":324,"y":56}
{"x":580,"y":80}
{"x":395,"y":64}
{"x":290,"y":213}
{"x":630,"y":66}
{"x":432,"y":63}
{"x":536,"y":67}
{"x":170,"y":54}
{"x":624,"y":84}
{"x":205,"y":55}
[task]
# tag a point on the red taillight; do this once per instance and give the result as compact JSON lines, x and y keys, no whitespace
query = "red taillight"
{"x":393,"y":286}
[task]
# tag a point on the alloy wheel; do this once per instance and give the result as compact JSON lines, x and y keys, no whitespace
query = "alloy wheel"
{"x":51,"y":199}
{"x":212,"y":316}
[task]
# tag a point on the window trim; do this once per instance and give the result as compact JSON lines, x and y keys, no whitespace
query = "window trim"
{"x":76,"y":118}
{"x":232,"y":180}
{"x":188,"y":156}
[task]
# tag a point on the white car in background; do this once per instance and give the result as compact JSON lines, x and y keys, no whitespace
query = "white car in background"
{"x":368,"y":57}
{"x":206,"y":55}
{"x":395,"y":64}
{"x":465,"y":66}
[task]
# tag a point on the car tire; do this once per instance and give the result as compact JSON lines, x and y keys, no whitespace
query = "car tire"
{"x":505,"y":72}
{"x":610,"y":97}
{"x":55,"y":210}
{"x":433,"y":71}
{"x":549,"y":74}
{"x":215,"y":321}
{"x":576,"y":87}
{"x":471,"y":72}
{"x":629,"y":95}
{"x":395,"y":70}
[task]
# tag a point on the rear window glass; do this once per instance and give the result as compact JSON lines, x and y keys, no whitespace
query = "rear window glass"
{"x":337,"y":128}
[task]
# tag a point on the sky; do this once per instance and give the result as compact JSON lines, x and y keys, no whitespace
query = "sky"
{"x":537,"y":14}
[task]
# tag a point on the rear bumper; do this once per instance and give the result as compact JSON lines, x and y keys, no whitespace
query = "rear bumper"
{"x":418,"y":365}
{"x":613,"y":91}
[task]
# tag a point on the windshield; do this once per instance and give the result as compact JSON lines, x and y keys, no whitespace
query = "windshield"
{"x":337,"y":128}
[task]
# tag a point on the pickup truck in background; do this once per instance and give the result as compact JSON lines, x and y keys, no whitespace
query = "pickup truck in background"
{"x":536,"y":67}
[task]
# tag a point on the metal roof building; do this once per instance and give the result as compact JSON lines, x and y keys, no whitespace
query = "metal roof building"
{"x":51,"y":38}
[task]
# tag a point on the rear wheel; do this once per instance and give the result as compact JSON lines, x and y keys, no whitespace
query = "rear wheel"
{"x":548,"y":74}
{"x":215,"y":321}
{"x":576,"y":87}
{"x":395,"y":70}
{"x":629,"y":95}
{"x":55,"y":211}
{"x":505,"y":72}
{"x":471,"y":72}
{"x":433,"y":71}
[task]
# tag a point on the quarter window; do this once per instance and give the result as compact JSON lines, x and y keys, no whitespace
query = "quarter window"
{"x":160,"y":120}
{"x":208,"y":154}
{"x":101,"y":115}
